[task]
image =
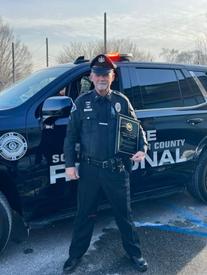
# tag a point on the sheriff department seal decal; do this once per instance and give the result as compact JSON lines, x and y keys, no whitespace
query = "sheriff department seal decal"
{"x":13,"y":146}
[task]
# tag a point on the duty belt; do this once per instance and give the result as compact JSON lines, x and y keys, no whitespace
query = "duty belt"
{"x":112,"y":163}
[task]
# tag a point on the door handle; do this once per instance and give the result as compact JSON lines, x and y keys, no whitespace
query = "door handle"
{"x":194,"y":121}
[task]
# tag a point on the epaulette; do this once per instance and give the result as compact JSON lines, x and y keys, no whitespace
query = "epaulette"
{"x":85,"y":94}
{"x":120,"y":94}
{"x":88,"y":92}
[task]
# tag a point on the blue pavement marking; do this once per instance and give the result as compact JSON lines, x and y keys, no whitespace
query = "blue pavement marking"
{"x":187,"y":214}
{"x":173,"y":228}
{"x":183,"y":213}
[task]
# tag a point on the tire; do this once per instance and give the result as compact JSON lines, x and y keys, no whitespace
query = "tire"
{"x":198,"y":187}
{"x":5,"y":222}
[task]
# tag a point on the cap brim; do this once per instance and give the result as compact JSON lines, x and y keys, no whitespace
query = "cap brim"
{"x":99,"y":70}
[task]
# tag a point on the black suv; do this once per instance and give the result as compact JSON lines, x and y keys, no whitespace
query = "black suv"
{"x":170,"y":100}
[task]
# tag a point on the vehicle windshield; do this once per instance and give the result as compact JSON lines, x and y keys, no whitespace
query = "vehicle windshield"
{"x":25,"y":89}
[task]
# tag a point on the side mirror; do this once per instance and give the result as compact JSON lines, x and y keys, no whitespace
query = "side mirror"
{"x":56,"y":107}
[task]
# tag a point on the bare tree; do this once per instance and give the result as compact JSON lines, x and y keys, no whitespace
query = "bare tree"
{"x":75,"y":49}
{"x":91,"y":49}
{"x":129,"y":46}
{"x":201,"y":52}
{"x":169,"y":55}
{"x":22,"y":60}
{"x":196,"y":56}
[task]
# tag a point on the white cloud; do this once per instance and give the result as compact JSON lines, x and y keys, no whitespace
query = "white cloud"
{"x":154,"y":24}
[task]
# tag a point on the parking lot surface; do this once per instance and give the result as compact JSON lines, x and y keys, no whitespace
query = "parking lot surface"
{"x":172,"y":230}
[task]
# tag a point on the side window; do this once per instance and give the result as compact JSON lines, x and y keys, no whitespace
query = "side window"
{"x":85,"y":84}
{"x":115,"y":84}
{"x":77,"y":87}
{"x":198,"y":81}
{"x":62,"y":92}
{"x":81,"y":85}
{"x":130,"y":86}
{"x":191,"y":94}
{"x":202,"y":77}
{"x":159,"y":88}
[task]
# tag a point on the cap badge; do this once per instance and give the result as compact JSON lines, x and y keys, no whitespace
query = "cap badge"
{"x":101,"y":59}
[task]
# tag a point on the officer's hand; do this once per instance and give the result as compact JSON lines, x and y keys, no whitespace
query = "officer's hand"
{"x":72,"y":173}
{"x":139,"y":156}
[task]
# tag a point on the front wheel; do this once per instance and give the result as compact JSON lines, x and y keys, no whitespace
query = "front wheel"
{"x":198,"y":186}
{"x":5,"y":221}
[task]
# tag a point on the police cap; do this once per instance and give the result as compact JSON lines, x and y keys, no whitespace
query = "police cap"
{"x":102,"y":64}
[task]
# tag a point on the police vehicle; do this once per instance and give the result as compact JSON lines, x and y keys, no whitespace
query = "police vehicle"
{"x":170,"y":100}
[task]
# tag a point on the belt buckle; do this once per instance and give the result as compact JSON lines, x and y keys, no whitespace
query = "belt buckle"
{"x":113,"y":165}
{"x":120,"y":164}
{"x":105,"y":164}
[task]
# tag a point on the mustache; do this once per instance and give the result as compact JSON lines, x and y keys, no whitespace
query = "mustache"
{"x":102,"y":82}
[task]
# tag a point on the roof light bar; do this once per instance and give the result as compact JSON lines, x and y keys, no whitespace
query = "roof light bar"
{"x":116,"y":56}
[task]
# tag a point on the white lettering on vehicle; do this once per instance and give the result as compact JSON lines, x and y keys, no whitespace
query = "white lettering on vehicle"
{"x":165,"y":156}
{"x":57,"y":172}
{"x":169,"y":144}
{"x":151,"y":135}
{"x":58,"y":158}
{"x":159,"y":154}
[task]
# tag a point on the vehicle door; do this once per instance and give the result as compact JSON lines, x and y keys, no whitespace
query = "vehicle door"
{"x":49,"y":190}
{"x":160,"y":95}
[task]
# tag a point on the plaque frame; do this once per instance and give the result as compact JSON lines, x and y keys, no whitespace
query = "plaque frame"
{"x":120,"y":139}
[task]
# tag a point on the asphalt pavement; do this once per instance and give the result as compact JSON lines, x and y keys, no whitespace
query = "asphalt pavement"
{"x":172,"y":230}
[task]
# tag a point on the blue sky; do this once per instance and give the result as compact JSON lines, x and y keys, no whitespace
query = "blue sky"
{"x":154,"y":24}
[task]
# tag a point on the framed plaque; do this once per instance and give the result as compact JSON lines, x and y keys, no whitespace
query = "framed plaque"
{"x":127,"y":135}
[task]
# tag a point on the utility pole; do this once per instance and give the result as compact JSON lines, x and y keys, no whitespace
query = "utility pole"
{"x":47,"y":57}
{"x":13,"y":64}
{"x":105,"y":38}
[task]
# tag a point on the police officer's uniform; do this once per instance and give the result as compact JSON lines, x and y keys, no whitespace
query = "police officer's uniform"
{"x":93,"y":124}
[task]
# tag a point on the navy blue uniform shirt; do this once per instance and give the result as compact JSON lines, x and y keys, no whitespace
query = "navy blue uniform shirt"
{"x":93,"y":124}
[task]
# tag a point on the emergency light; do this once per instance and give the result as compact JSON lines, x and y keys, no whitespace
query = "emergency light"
{"x":116,"y":56}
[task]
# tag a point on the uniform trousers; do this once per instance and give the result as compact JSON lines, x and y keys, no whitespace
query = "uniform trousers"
{"x":115,"y":185}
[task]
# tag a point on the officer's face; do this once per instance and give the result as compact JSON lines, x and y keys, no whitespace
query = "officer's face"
{"x":102,"y":82}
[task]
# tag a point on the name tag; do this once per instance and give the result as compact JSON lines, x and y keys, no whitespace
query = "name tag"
{"x":88,"y":110}
{"x":102,"y":123}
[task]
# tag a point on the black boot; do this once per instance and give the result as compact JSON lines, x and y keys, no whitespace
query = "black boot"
{"x":140,"y":263}
{"x":70,"y":265}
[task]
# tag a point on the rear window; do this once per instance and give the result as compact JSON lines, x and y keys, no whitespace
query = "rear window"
{"x":159,"y":88}
{"x":202,"y":77}
{"x":190,"y":92}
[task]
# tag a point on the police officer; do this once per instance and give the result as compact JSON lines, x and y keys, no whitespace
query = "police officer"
{"x":93,"y":124}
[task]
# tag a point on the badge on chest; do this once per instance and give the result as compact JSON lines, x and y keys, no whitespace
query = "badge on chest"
{"x":117,"y":107}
